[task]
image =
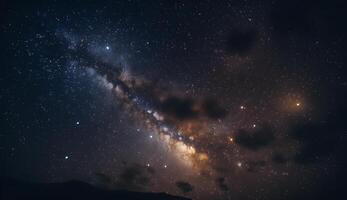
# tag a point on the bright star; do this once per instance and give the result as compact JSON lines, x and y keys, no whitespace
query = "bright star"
{"x":231,"y":139}
{"x":107,"y":47}
{"x":66,"y":157}
{"x":165,"y":129}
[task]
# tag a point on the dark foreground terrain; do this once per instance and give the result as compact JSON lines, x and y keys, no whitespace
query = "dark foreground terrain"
{"x":13,"y":189}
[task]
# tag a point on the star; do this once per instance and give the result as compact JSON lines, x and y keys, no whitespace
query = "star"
{"x":107,"y":47}
{"x":231,"y":139}
{"x":239,"y":164}
{"x":77,"y":123}
{"x":66,"y":157}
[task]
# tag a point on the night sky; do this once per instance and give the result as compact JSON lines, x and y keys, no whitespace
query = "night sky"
{"x":204,"y":99}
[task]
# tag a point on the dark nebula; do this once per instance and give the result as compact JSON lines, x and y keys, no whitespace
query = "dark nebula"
{"x":184,"y":186}
{"x":255,"y":139}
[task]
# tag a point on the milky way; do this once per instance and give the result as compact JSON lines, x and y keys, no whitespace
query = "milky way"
{"x":227,"y":100}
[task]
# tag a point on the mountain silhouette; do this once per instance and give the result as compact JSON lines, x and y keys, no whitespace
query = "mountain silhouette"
{"x":11,"y":189}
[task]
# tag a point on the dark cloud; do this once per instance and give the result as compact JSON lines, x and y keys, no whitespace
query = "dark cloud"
{"x":150,"y":170}
{"x":134,"y":177}
{"x":279,"y":158}
{"x":179,"y":108}
{"x":213,"y":109}
{"x":241,"y":41}
{"x":221,"y":184}
{"x":253,"y":166}
{"x":104,"y":179}
{"x":184,"y":186}
{"x":255,"y":139}
{"x":187,"y":108}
